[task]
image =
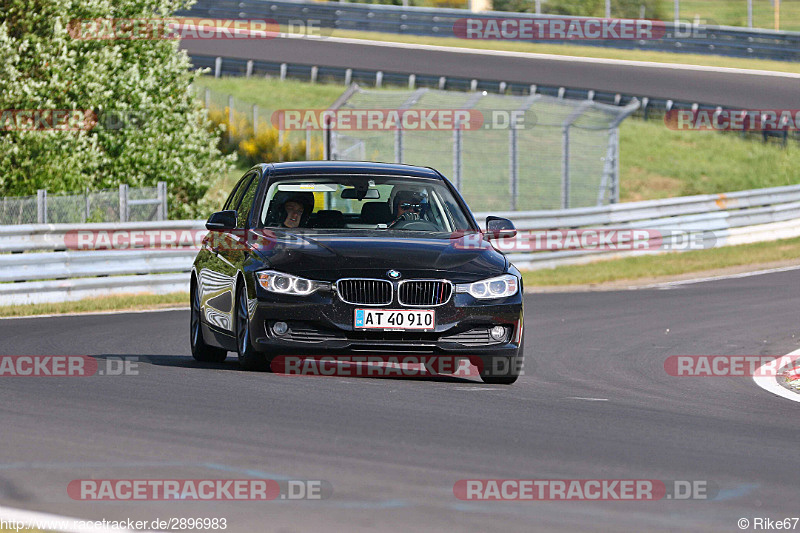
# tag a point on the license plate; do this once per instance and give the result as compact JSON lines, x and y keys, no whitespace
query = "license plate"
{"x":395,"y":319}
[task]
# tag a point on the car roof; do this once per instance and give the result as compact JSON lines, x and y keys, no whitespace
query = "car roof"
{"x":351,"y":167}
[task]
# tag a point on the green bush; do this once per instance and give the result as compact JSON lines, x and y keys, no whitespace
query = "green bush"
{"x":44,"y":67}
{"x":264,"y":147}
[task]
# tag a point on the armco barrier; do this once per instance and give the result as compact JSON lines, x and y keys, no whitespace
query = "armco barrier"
{"x":683,"y":38}
{"x":48,"y":272}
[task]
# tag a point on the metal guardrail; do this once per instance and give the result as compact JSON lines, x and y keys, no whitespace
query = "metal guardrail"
{"x":47,"y":272}
{"x":682,"y":38}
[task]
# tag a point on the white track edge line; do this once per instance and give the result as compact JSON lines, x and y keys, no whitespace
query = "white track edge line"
{"x":770,"y":383}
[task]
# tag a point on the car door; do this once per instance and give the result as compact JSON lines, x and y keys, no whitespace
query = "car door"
{"x":237,"y":250}
{"x":218,"y":277}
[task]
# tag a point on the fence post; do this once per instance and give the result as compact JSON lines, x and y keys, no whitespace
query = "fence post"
{"x":88,"y":209}
{"x":123,"y":203}
{"x":326,"y":139}
{"x":217,"y":67}
{"x":230,"y":118}
{"x":565,"y":167}
{"x":41,"y":206}
{"x":398,"y":144}
{"x":255,"y":120}
{"x":513,"y":162}
{"x":677,"y":10}
{"x":750,"y":14}
{"x":162,"y":200}
{"x":457,"y":155}
{"x":208,"y":98}
{"x":615,"y":180}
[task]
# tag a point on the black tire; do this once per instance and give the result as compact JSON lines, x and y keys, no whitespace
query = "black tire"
{"x":249,"y":358}
{"x":505,"y":373}
{"x":200,"y":350}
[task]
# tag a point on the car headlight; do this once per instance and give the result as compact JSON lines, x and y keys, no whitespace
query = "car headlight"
{"x":287,"y":283}
{"x":499,"y":287}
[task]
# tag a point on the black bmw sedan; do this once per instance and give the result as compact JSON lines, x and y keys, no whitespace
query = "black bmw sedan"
{"x":342,"y":258}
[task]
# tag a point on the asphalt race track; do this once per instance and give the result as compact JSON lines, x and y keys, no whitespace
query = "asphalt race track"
{"x":393,"y":448}
{"x":737,"y":90}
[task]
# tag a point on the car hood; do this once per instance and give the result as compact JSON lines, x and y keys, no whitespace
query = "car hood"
{"x":331,"y":256}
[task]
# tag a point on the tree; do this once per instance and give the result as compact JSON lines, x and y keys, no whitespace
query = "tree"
{"x":149,"y":127}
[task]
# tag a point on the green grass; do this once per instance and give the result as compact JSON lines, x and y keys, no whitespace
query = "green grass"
{"x":734,"y":12}
{"x":273,"y":94}
{"x":578,"y":50}
{"x":667,"y":264}
{"x":657,"y":162}
{"x":105,"y":303}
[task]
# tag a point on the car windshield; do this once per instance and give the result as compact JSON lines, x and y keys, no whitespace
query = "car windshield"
{"x":343,"y":202}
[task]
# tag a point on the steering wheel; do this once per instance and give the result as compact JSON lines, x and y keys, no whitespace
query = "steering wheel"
{"x":415,"y":225}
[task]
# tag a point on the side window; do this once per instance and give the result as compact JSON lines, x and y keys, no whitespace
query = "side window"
{"x":240,"y":190}
{"x":230,"y":203}
{"x":246,"y":205}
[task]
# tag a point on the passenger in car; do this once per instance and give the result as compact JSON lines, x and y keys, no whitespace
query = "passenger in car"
{"x":290,"y":210}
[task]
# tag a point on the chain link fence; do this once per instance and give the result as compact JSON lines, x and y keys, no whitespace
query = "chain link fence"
{"x":557,"y":154}
{"x":108,"y":205}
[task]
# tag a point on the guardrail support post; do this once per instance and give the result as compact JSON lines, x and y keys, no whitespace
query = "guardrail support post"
{"x":41,"y":206}
{"x":308,"y":143}
{"x":750,"y":14}
{"x":348,"y":76}
{"x":412,"y":81}
{"x":217,"y":67}
{"x":207,"y":97}
{"x":314,"y":74}
{"x":379,"y":78}
{"x":677,"y":16}
{"x":284,"y":68}
{"x":249,"y":68}
{"x":442,"y":82}
{"x":123,"y":203}
{"x":88,"y":206}
{"x":162,"y":200}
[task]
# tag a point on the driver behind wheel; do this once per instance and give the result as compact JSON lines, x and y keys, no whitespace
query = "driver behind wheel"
{"x":406,"y":207}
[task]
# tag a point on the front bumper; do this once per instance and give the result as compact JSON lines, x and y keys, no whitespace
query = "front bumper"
{"x":322,"y":323}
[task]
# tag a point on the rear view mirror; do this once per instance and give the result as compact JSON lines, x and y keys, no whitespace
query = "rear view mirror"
{"x":497,"y":228}
{"x":360,"y":194}
{"x":221,"y":221}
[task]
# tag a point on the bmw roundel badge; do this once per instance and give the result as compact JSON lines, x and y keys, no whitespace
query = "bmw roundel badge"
{"x":394,"y":274}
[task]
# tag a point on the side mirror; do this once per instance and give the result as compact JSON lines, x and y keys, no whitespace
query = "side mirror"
{"x":221,"y":221}
{"x":497,"y":228}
